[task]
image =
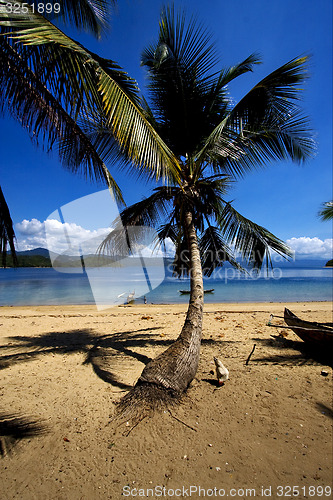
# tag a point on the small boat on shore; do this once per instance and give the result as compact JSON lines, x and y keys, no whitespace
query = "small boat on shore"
{"x":187,"y":292}
{"x":130,"y":297}
{"x":310,"y":331}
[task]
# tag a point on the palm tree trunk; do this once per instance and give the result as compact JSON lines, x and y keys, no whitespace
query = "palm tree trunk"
{"x":176,"y":367}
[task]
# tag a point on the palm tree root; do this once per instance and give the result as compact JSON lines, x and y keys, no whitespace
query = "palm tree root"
{"x":146,"y":398}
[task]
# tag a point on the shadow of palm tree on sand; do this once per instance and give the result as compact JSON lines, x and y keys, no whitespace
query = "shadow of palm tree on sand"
{"x":13,"y":428}
{"x":103,"y":352}
{"x":305,"y":353}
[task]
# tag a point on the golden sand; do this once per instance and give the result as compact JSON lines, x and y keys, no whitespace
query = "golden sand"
{"x":65,"y":367}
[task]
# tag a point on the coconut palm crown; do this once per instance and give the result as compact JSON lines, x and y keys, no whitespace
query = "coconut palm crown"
{"x":215,"y":143}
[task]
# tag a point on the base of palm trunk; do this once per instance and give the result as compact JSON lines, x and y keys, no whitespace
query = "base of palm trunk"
{"x":166,"y":378}
{"x":145,"y":399}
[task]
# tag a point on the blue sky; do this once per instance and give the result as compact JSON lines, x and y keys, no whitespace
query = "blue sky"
{"x":284,"y":197}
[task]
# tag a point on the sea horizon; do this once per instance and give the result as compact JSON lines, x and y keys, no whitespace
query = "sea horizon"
{"x":289,"y":282}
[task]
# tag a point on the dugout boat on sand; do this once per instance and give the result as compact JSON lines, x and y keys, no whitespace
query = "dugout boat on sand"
{"x":310,"y":331}
{"x":320,"y":334}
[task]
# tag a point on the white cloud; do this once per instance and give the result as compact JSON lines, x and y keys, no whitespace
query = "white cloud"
{"x":71,"y":238}
{"x":29,"y":227}
{"x":169,"y":248}
{"x":58,"y":237}
{"x":312,"y":247}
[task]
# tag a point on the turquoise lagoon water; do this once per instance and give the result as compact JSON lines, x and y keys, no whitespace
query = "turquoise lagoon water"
{"x":46,"y":286}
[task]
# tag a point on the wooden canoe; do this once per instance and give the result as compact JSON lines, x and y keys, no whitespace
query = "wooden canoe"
{"x":310,"y":331}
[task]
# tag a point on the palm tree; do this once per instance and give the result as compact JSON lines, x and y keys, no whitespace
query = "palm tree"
{"x":61,"y":93}
{"x":215,"y":142}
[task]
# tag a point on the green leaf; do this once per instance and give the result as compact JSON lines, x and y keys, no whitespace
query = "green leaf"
{"x":39,"y":112}
{"x":91,"y":16}
{"x":214,"y":251}
{"x":266,"y":125}
{"x":326,"y":212}
{"x":253,"y":242}
{"x":88,"y":83}
{"x":7,"y":235}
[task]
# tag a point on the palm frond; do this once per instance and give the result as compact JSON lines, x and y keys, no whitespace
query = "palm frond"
{"x":266,"y":125}
{"x":237,"y":154}
{"x":289,"y":139}
{"x":7,"y":234}
{"x":217,"y":98}
{"x":182,"y":263}
{"x":276,"y":92}
{"x":188,"y":44}
{"x":14,"y":427}
{"x":203,"y":197}
{"x":326,"y":211}
{"x":211,"y":189}
{"x":91,"y":16}
{"x":170,"y":230}
{"x":118,"y":244}
{"x":214,"y":251}
{"x":179,"y":84}
{"x":85,"y":81}
{"x":131,"y":225}
{"x":42,"y":115}
{"x":253,"y":242}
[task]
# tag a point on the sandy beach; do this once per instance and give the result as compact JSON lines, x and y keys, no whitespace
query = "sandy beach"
{"x":267,"y":429}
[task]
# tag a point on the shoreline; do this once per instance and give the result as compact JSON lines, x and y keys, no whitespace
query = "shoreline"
{"x":246,"y":306}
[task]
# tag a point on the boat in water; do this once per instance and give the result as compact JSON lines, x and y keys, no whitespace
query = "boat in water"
{"x":187,"y":292}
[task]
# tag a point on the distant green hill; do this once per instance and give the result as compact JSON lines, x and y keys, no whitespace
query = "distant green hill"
{"x":36,"y":251}
{"x":40,"y":257}
{"x":26,"y":259}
